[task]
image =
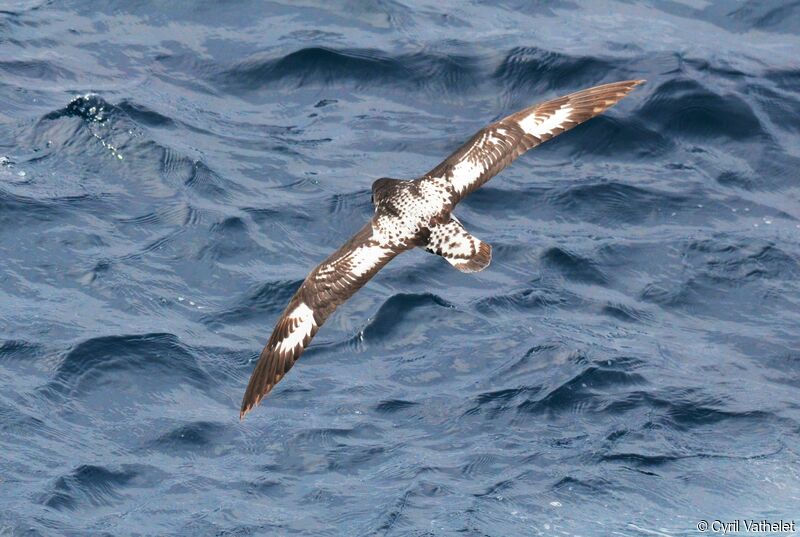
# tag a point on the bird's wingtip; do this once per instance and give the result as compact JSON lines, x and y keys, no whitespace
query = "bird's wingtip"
{"x":246,"y":407}
{"x":249,"y":404}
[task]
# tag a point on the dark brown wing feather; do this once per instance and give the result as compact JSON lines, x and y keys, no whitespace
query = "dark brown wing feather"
{"x":330,"y":284}
{"x":496,"y":146}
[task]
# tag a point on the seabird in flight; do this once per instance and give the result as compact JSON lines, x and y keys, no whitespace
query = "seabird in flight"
{"x":418,"y":212}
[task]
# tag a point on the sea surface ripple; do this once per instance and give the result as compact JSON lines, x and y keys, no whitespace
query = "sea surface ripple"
{"x":170,"y":171}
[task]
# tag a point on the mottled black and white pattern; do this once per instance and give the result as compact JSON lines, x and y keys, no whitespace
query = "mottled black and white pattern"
{"x":454,"y":243}
{"x":417,"y":213}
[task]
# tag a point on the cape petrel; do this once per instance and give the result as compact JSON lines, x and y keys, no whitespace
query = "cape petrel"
{"x":418,"y":212}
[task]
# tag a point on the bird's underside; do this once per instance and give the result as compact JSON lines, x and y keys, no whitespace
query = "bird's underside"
{"x":418,"y":213}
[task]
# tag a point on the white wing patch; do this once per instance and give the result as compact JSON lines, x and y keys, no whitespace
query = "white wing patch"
{"x":484,"y":153}
{"x":465,"y":172}
{"x":539,"y":126}
{"x":478,"y":158}
{"x":365,"y":258}
{"x":302,"y":321}
{"x":356,"y":262}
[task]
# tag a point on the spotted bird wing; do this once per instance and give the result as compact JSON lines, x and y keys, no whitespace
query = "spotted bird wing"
{"x":497,"y":145}
{"x":326,"y":287}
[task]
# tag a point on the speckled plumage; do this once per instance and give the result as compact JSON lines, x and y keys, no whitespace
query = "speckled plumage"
{"x":418,"y":213}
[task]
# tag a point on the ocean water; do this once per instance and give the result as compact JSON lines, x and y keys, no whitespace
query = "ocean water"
{"x":170,"y":171}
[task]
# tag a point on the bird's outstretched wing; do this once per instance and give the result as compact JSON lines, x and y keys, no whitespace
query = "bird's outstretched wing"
{"x":329,"y":285}
{"x":494,"y":147}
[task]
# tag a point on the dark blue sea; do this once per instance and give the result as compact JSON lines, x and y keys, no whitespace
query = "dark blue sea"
{"x":629,"y":364}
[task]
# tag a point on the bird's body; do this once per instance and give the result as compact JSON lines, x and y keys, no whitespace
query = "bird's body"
{"x":418,"y":213}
